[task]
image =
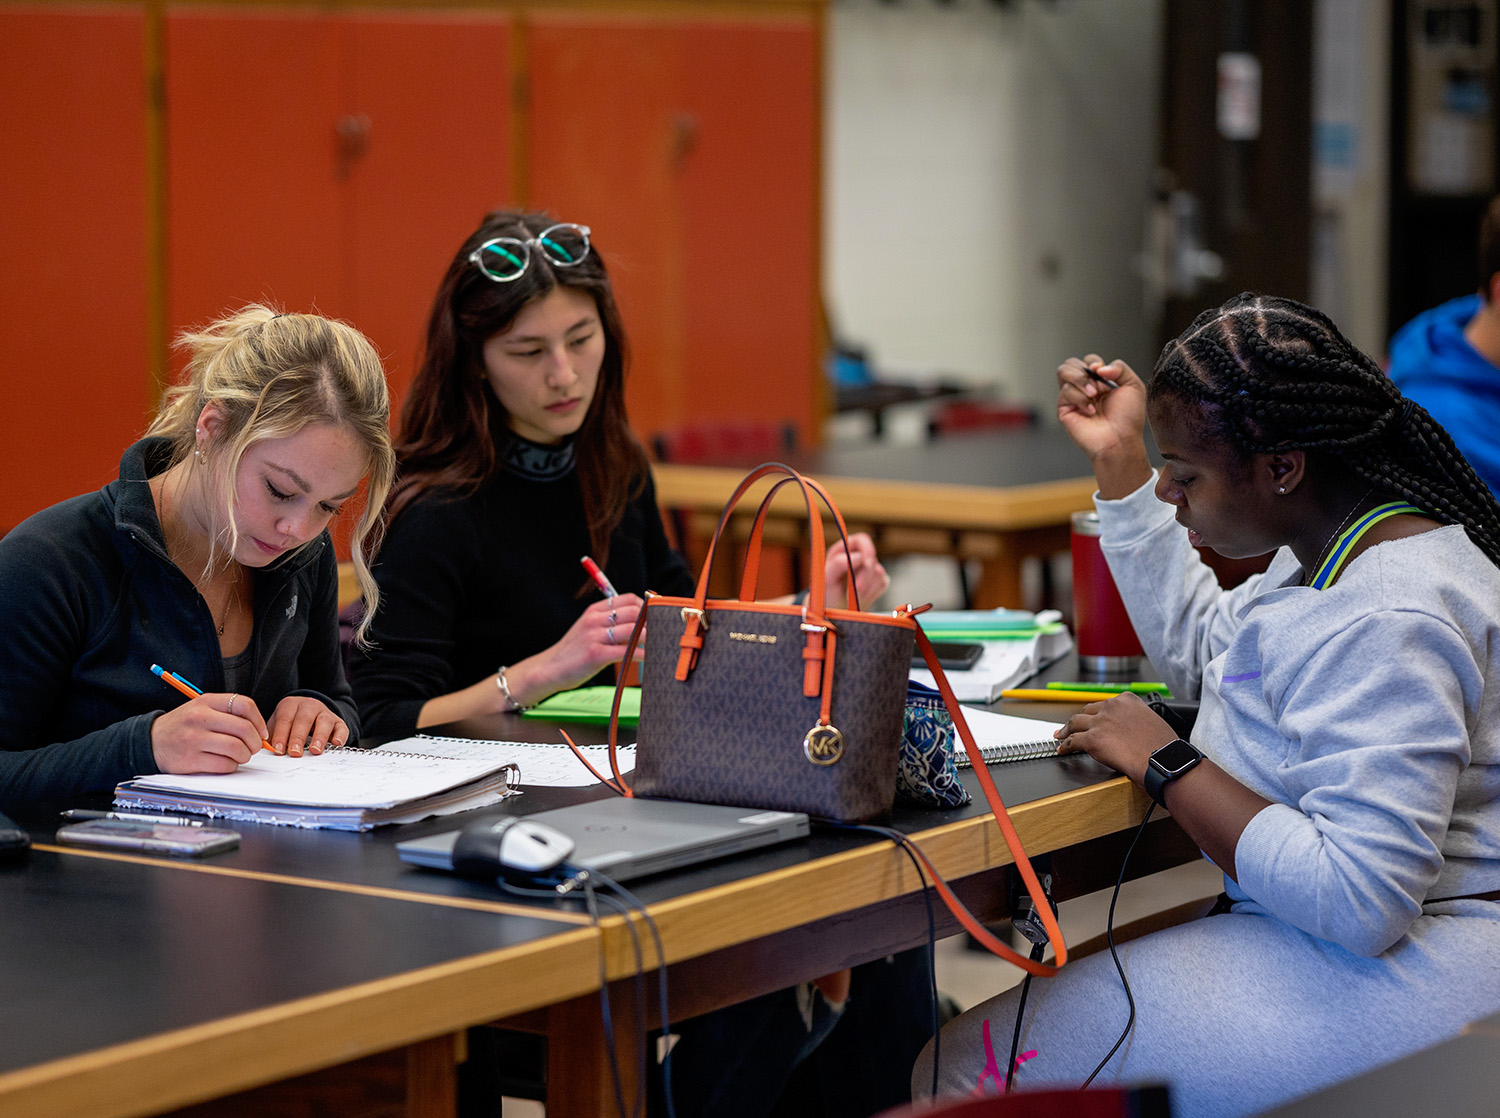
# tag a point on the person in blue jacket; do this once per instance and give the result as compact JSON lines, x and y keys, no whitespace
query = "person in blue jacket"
{"x":1448,"y":360}
{"x":210,"y":555}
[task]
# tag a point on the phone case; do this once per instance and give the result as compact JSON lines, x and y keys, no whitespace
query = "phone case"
{"x":954,"y":656}
{"x":153,"y":838}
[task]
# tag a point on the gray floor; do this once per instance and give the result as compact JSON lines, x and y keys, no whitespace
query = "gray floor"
{"x":969,"y":976}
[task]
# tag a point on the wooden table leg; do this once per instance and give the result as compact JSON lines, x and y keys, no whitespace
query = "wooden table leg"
{"x":1000,"y":573}
{"x":999,"y":583}
{"x":579,"y":1083}
{"x":431,"y":1076}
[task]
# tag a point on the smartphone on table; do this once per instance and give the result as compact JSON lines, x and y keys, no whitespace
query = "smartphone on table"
{"x":174,"y":839}
{"x":954,"y":656}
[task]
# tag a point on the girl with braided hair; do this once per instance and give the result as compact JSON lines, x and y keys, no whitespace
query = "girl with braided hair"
{"x":1345,"y":762}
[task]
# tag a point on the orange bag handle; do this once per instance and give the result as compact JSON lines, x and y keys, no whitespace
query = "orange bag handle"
{"x":750,"y":580}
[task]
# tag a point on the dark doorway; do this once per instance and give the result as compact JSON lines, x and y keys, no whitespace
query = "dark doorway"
{"x":1443,"y":149}
{"x":1234,"y":205}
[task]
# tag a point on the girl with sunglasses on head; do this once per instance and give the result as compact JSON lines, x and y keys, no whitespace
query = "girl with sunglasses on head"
{"x":516,"y":459}
{"x":1345,"y":763}
{"x":210,"y":555}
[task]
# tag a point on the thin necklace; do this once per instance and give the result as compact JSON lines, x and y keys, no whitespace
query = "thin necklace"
{"x":1337,"y":532}
{"x":172,"y":532}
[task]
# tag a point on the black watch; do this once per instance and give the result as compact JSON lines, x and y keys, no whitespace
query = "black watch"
{"x":1167,"y":764}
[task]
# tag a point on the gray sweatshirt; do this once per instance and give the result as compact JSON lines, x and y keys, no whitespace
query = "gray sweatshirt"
{"x":1368,"y":713}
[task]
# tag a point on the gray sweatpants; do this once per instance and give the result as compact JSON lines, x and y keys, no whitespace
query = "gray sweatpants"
{"x":1239,"y":1012}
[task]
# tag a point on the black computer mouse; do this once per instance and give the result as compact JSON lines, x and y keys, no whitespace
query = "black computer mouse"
{"x":511,"y":846}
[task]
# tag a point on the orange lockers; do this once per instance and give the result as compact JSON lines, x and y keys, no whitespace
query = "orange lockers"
{"x":691,"y":146}
{"x":322,"y":155}
{"x":331,"y":161}
{"x":73,"y":325}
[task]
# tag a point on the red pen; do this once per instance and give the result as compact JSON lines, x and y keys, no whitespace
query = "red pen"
{"x":597,"y":575}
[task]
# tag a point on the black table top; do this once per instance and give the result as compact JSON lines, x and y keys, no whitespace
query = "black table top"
{"x":100,"y":951}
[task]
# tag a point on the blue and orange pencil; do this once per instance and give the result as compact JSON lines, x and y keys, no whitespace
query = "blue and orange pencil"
{"x":191,"y":690}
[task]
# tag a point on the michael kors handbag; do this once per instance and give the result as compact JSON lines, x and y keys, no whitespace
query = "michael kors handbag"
{"x":795,"y":707}
{"x":790,"y":707}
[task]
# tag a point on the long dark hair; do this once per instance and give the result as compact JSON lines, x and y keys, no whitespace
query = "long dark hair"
{"x":446,"y":438}
{"x":1271,"y":374}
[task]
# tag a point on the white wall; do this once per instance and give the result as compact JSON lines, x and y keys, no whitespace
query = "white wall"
{"x":1351,"y":167}
{"x":987,"y":172}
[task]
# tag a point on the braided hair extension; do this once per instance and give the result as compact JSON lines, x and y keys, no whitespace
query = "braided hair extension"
{"x":1272,"y":374}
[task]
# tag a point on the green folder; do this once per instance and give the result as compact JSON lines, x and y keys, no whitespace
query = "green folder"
{"x":987,"y":624}
{"x":588,"y":704}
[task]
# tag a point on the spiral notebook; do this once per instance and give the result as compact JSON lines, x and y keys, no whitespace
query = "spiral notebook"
{"x":1006,"y":737}
{"x":344,"y":788}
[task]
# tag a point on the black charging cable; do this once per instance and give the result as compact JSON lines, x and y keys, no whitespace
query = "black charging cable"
{"x":1031,"y":928}
{"x":594,"y":898}
{"x":560,"y":883}
{"x":627,"y":903}
{"x":568,"y":879}
{"x":1109,"y":932}
{"x":905,"y":846}
{"x":1030,"y":925}
{"x":1037,"y":950}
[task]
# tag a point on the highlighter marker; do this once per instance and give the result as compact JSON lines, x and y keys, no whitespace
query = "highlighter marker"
{"x":604,"y":585}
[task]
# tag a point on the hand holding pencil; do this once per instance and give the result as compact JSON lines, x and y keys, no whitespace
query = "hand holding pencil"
{"x":210,"y":733}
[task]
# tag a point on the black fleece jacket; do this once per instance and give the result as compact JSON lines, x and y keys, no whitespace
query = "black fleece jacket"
{"x":89,"y":601}
{"x":470,"y":583}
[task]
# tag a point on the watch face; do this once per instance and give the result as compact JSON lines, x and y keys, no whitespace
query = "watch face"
{"x":1175,"y":756}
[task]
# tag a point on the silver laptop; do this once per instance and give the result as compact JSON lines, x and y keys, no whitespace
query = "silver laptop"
{"x":631,"y":838}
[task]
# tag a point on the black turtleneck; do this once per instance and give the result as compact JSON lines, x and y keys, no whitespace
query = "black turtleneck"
{"x":470,"y":583}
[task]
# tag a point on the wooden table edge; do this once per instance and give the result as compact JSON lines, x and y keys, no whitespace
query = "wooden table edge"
{"x":765,"y":904}
{"x":960,"y":507}
{"x":506,"y":908}
{"x":241,"y":1051}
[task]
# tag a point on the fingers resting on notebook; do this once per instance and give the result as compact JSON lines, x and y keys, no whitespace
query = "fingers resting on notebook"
{"x":304,"y":722}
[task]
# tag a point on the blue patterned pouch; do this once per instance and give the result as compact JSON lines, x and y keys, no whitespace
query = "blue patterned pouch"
{"x":925,"y":773}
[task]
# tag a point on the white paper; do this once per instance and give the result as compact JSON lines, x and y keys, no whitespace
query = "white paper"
{"x":392,"y":774}
{"x":1004,"y":664}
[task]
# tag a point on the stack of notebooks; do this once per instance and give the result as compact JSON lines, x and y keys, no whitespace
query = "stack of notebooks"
{"x":1017,"y":645}
{"x":344,"y":788}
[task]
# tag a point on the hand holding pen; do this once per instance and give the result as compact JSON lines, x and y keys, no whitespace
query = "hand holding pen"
{"x":612,"y":619}
{"x":1102,"y":406}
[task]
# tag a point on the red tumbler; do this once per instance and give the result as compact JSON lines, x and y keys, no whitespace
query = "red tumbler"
{"x":1105,"y":639}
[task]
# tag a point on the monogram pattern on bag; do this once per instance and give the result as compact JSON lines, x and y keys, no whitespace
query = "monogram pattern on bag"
{"x":733,"y":732}
{"x":927,"y":774}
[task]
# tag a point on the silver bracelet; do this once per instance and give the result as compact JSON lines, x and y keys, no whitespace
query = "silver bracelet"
{"x":510,"y":702}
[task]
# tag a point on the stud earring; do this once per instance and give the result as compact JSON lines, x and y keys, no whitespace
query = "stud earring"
{"x":1281,"y":489}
